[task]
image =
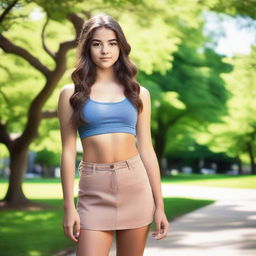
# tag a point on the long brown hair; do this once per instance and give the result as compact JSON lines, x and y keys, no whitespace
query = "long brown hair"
{"x":84,"y":74}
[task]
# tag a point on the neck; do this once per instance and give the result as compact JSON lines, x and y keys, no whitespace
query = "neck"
{"x":105,"y":75}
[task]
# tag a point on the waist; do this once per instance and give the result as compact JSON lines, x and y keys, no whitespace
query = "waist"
{"x":112,"y":166}
{"x":108,"y":147}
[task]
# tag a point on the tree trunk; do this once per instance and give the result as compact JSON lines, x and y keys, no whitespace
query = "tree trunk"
{"x":19,"y":147}
{"x":240,"y":171}
{"x":159,"y":153}
{"x":18,"y":163}
{"x":251,"y":156}
{"x":159,"y":147}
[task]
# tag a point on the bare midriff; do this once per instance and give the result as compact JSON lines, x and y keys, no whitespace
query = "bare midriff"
{"x":109,"y":147}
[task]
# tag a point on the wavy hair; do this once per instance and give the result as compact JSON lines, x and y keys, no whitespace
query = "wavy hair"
{"x":84,"y":74}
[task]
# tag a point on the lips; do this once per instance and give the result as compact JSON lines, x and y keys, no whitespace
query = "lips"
{"x":105,"y":58}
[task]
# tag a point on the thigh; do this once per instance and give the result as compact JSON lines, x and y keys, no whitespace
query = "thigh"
{"x":131,"y":241}
{"x":94,"y":242}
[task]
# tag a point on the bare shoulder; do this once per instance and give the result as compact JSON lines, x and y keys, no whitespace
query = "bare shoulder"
{"x":144,"y":93}
{"x":64,"y":95}
{"x":67,"y":89}
{"x":65,"y":112}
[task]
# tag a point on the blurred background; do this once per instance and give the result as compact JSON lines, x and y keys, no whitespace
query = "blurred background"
{"x":197,"y":58}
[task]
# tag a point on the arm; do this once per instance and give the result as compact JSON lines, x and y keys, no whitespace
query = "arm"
{"x":146,"y":150}
{"x":68,"y":140}
{"x":68,"y":155}
{"x":150,"y":161}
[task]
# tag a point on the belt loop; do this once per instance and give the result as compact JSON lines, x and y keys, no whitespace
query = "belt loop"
{"x":94,"y":167}
{"x":79,"y":167}
{"x":127,"y":163}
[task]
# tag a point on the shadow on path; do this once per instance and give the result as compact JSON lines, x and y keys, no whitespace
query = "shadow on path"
{"x":225,"y":228}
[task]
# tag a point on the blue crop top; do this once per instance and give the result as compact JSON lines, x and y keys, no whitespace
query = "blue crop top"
{"x":108,"y":117}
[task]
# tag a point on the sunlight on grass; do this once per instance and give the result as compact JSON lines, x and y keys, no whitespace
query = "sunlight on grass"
{"x":34,"y":253}
{"x":34,"y":232}
{"x":51,"y":190}
{"x":178,"y":206}
{"x":224,"y":181}
{"x":51,"y":187}
{"x":40,"y":232}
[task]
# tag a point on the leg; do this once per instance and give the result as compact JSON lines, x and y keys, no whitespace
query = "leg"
{"x":131,"y":241}
{"x":94,"y":242}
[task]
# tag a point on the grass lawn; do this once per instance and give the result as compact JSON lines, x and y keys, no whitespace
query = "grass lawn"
{"x":32,"y":233}
{"x":39,"y":233}
{"x":211,"y":180}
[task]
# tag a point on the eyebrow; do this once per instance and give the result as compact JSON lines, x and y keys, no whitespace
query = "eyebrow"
{"x":100,"y":40}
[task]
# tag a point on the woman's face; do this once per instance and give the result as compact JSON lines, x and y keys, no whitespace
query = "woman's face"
{"x":104,"y":48}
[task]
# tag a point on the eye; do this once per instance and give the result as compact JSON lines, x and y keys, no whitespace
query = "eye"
{"x":95,"y":44}
{"x":113,"y":43}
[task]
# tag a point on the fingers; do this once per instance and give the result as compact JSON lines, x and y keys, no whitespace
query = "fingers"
{"x":157,"y":232}
{"x":161,"y":232}
{"x":165,"y":230}
{"x":77,"y":228}
{"x":68,"y":231}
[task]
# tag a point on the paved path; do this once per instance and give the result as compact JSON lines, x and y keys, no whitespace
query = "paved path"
{"x":225,"y":228}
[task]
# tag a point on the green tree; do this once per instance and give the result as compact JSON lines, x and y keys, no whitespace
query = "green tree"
{"x":50,"y":74}
{"x":193,"y":94}
{"x":48,"y":160}
{"x":232,"y":7}
{"x":236,"y":134}
{"x":38,"y":57}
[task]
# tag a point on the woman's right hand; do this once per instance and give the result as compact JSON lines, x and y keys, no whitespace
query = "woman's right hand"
{"x":70,"y":218}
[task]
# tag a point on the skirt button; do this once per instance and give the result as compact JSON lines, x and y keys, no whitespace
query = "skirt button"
{"x":111,"y":166}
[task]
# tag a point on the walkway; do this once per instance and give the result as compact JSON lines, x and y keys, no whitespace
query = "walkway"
{"x":227,"y":227}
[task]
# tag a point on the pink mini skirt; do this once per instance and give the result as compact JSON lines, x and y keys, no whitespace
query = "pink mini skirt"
{"x":114,"y":196}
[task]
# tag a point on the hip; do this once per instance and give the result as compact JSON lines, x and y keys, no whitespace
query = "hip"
{"x":130,"y":172}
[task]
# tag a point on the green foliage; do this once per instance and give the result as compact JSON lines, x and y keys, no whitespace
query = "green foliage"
{"x":118,"y":3}
{"x":48,"y":137}
{"x":152,"y":50}
{"x":48,"y":158}
{"x":167,"y":42}
{"x":239,"y":125}
{"x":58,"y":9}
{"x":232,"y":7}
{"x":198,"y":94}
{"x":20,"y":83}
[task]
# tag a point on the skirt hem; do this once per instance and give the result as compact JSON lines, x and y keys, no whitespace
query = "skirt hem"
{"x":119,"y":228}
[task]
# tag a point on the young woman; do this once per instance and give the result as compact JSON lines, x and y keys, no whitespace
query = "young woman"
{"x":119,"y":185}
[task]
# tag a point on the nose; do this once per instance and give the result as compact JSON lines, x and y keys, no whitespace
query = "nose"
{"x":104,"y":49}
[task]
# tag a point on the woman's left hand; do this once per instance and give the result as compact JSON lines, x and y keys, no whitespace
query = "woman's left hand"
{"x":162,"y":224}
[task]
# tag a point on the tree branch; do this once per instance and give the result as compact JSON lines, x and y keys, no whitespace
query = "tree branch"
{"x":9,"y":47}
{"x":60,"y":56}
{"x":5,"y":97}
{"x":176,"y":118}
{"x":4,"y":136}
{"x":7,"y":10}
{"x":53,"y":77}
{"x":49,"y":114}
{"x":50,"y":53}
{"x":77,"y":22}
